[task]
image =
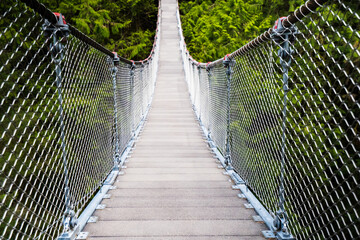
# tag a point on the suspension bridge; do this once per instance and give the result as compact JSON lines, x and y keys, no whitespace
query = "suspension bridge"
{"x":262,"y":144}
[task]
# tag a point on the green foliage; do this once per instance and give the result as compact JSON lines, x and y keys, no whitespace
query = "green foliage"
{"x":214,"y":28}
{"x":124,"y":26}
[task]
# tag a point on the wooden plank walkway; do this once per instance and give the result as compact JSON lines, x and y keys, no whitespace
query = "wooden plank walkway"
{"x":172,"y":188}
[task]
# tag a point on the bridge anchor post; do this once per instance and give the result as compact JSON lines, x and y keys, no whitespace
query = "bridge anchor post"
{"x":283,"y":37}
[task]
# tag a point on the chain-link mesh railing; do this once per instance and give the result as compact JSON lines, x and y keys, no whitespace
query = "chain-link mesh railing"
{"x":134,"y":87}
{"x":58,"y":129}
{"x":293,"y":131}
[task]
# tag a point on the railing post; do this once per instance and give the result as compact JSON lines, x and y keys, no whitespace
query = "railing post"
{"x":114,"y":71}
{"x":228,"y":64}
{"x":59,"y":32}
{"x":283,"y":37}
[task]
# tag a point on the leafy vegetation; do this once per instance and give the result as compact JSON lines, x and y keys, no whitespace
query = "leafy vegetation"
{"x":214,"y":28}
{"x":125,"y":26}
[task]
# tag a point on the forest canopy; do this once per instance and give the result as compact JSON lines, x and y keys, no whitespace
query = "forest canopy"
{"x":214,"y":28}
{"x":125,"y":26}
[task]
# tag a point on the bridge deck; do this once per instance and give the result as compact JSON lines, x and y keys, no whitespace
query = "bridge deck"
{"x":172,"y":188}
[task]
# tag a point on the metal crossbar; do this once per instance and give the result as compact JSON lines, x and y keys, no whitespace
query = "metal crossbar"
{"x":292,"y":121}
{"x":60,"y":136}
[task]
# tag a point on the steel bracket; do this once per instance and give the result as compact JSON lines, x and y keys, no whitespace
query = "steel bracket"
{"x":69,"y":235}
{"x":100,"y":207}
{"x":268,"y":234}
{"x":92,"y":219}
{"x":82,"y":236}
{"x":258,"y":218}
{"x":284,"y":236}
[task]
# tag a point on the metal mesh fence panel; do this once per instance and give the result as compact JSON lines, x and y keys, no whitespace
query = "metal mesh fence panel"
{"x":88,"y":107}
{"x":138,"y":92}
{"x":204,"y":96}
{"x":322,"y":138}
{"x":294,"y":118}
{"x":256,"y":123}
{"x":124,"y":105}
{"x":197,"y":90}
{"x":32,"y":182}
{"x":218,"y":106}
{"x":58,"y":128}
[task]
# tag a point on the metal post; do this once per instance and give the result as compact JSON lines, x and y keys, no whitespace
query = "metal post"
{"x":283,"y":37}
{"x":59,"y":33}
{"x":228,"y":64}
{"x":114,"y":71}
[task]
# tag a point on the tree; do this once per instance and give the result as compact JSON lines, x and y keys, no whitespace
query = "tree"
{"x":125,"y":26}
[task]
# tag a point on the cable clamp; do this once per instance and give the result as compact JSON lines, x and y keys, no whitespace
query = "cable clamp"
{"x":60,"y":27}
{"x":280,"y":33}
